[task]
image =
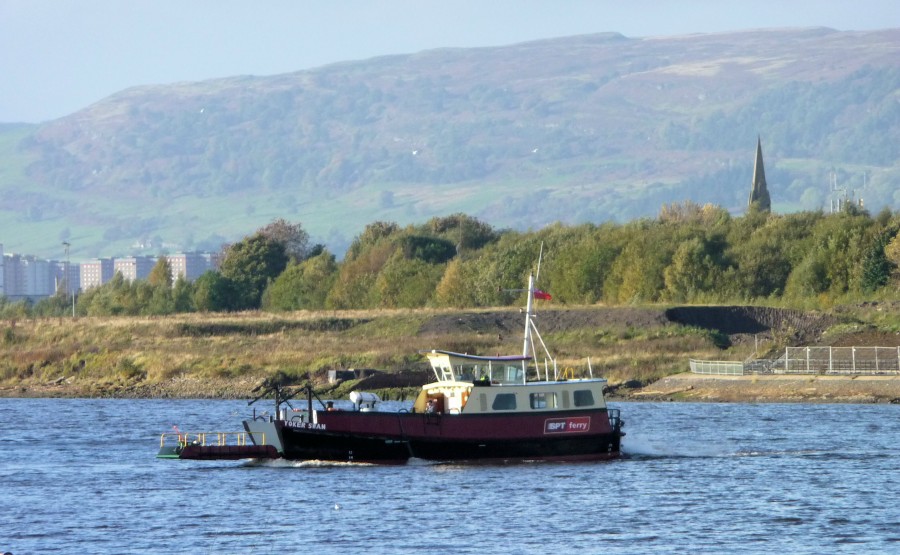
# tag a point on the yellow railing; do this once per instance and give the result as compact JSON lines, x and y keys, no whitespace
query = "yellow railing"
{"x":212,"y":438}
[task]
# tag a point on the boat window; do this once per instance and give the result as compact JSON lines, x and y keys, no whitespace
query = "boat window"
{"x":543,"y":400}
{"x":442,"y":370}
{"x":508,"y":374}
{"x":504,"y":401}
{"x":583,"y":398}
{"x":515,"y":373}
{"x":468,"y":372}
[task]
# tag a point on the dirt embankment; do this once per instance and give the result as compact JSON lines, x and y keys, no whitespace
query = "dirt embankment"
{"x":510,"y":322}
{"x":734,"y":324}
{"x":739,"y":322}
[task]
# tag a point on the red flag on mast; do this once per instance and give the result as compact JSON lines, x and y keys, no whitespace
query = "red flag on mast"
{"x":538,"y":294}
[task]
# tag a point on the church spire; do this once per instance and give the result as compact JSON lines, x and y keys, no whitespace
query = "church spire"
{"x":759,"y":195}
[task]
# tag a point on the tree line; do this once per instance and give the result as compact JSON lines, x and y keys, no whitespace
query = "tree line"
{"x":688,"y":254}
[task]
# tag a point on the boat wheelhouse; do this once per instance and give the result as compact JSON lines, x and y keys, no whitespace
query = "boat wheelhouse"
{"x":483,"y":385}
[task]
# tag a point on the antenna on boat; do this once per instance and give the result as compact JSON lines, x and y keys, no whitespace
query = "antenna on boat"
{"x":540,"y":257}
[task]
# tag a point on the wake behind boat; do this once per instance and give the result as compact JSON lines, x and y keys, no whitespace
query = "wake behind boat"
{"x":479,"y":408}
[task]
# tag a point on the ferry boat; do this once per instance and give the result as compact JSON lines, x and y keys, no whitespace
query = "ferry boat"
{"x":479,"y":408}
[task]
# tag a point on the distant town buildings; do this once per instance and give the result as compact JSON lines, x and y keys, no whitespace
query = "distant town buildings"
{"x":26,"y":276}
{"x":29,"y":277}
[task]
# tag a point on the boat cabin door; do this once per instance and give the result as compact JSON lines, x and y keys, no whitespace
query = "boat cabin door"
{"x":434,"y":409}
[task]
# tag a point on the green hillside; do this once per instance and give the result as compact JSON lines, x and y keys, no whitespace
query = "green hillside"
{"x":580,"y":129}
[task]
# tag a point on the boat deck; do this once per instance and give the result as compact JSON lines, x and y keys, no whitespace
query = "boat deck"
{"x":207,"y":446}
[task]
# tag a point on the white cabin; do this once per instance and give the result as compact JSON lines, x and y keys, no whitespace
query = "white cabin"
{"x":469,"y":384}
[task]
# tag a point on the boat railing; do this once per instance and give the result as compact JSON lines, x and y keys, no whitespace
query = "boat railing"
{"x":212,"y":438}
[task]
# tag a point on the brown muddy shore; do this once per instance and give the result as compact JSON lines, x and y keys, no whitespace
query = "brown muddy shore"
{"x":680,"y":387}
{"x":772,"y":389}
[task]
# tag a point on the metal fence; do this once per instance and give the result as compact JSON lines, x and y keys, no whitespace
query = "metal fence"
{"x":855,"y":361}
{"x":841,"y":360}
{"x":718,"y":367}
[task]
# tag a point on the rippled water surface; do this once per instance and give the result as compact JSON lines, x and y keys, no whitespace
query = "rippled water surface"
{"x":80,"y":476}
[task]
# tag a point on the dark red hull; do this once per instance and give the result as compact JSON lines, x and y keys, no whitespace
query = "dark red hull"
{"x":397,"y":437}
{"x":228,"y":452}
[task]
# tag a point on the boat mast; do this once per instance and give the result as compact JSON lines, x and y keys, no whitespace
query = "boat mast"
{"x":528,"y":308}
{"x":531,"y":327}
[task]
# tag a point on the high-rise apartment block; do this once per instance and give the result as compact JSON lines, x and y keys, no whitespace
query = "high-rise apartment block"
{"x":96,"y":272}
{"x":134,"y":267}
{"x":191,"y":265}
{"x":30,"y":277}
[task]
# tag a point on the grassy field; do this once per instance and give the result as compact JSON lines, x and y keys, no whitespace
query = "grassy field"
{"x":179,"y":355}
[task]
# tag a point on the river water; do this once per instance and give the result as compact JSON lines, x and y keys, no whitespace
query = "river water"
{"x":80,"y":476}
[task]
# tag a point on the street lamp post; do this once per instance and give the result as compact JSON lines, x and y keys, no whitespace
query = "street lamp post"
{"x":67,"y":245}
